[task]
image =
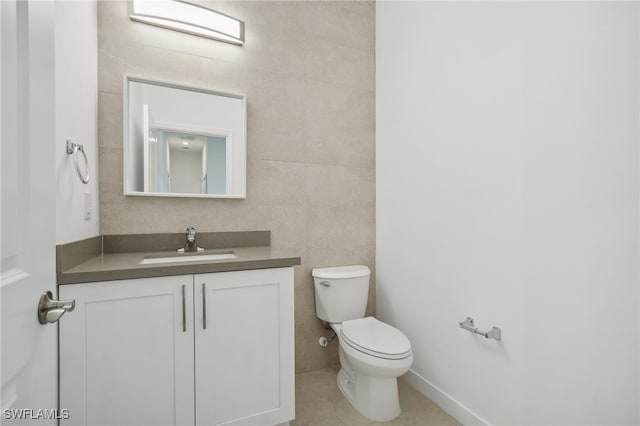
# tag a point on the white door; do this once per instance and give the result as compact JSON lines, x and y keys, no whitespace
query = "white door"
{"x":29,"y":349}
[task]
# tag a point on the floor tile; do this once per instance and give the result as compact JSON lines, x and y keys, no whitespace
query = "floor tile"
{"x":319,"y":402}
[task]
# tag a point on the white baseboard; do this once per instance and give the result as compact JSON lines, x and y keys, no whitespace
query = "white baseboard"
{"x":445,"y":401}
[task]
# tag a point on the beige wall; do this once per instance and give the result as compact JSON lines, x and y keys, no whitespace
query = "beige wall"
{"x":307,"y":69}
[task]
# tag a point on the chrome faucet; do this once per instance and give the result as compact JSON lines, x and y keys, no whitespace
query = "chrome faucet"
{"x":190,"y":245}
{"x":190,"y":235}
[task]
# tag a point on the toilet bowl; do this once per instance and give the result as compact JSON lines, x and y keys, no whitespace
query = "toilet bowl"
{"x":369,"y":372}
{"x":372,"y":354}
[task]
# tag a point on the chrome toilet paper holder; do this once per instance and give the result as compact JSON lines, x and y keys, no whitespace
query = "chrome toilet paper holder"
{"x":494,"y":333}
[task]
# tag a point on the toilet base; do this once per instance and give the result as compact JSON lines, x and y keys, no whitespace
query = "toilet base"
{"x":374,"y":397}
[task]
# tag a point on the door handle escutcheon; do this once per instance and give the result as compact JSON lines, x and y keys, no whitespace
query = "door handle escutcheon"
{"x":50,"y":310}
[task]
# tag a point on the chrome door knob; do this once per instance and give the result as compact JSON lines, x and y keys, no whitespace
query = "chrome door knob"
{"x":54,"y":315}
{"x":50,"y":310}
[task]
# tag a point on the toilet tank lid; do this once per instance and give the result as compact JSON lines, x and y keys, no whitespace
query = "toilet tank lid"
{"x":338,"y":272}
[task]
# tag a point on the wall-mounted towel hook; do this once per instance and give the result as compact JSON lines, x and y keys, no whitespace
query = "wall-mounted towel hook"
{"x":73,"y":149}
{"x":494,"y":333}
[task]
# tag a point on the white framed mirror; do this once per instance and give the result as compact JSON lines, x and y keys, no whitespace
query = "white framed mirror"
{"x":183,"y":141}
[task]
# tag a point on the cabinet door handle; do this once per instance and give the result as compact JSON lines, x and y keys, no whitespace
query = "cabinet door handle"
{"x":204,"y":308}
{"x":184,"y":309}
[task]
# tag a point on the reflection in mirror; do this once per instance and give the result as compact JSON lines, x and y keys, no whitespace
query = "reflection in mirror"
{"x":186,"y":163}
{"x":184,"y":141}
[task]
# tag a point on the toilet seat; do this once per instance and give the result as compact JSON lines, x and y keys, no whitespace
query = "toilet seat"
{"x":375,"y":338}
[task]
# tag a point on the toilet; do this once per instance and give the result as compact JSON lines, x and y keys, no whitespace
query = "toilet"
{"x":372,"y":354}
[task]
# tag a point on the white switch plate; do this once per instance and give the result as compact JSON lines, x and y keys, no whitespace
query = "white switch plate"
{"x":87,"y":206}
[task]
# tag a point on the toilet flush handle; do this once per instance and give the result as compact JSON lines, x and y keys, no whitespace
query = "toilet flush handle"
{"x":325,"y":283}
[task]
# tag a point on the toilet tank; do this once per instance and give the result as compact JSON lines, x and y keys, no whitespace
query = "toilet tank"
{"x":341,"y":292}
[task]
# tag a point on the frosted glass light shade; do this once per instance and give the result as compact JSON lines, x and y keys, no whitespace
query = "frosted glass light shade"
{"x":188,"y":18}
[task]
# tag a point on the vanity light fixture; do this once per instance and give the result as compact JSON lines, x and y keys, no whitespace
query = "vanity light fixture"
{"x":188,"y":18}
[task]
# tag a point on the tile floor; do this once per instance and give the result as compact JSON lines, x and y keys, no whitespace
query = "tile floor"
{"x":319,"y":402}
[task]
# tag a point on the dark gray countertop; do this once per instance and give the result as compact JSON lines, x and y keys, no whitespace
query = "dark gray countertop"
{"x":120,"y":266}
{"x":118,"y":257}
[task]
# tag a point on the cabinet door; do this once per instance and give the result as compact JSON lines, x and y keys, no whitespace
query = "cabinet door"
{"x":125,"y":357}
{"x":244,"y":347}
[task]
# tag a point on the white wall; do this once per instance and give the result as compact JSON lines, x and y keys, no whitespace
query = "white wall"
{"x":136,"y":132}
{"x":76,"y":116}
{"x":507,"y":190}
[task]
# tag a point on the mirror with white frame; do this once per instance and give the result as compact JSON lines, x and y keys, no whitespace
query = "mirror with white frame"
{"x":182,"y":141}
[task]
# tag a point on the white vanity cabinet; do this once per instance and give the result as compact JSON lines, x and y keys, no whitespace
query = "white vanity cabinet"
{"x":124,"y":357}
{"x":244,"y":347}
{"x":203,"y":349}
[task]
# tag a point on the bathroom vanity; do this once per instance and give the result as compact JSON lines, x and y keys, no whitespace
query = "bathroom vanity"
{"x":214,"y":346}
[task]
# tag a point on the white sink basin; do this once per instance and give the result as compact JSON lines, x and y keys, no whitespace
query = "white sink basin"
{"x":187,"y":257}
